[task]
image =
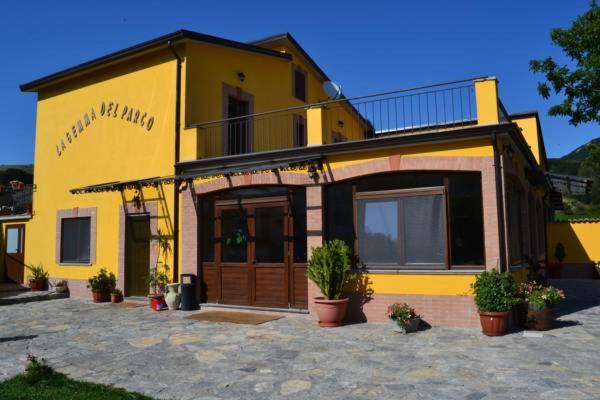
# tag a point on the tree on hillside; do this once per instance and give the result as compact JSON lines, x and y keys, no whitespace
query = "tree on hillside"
{"x":591,"y":167}
{"x":580,"y":81}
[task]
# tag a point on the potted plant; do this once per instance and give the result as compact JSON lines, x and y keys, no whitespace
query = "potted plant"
{"x":541,"y":302}
{"x":555,"y":269}
{"x":522,"y":292}
{"x":61,"y":286}
{"x":116,"y":295}
{"x":39,"y":278}
{"x":329,"y":268}
{"x":101,"y":285}
{"x":494,"y":297}
{"x":403,"y":318}
{"x":158,"y":278}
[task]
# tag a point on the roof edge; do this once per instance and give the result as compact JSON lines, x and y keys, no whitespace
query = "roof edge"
{"x":181,"y":34}
{"x":288,"y":36}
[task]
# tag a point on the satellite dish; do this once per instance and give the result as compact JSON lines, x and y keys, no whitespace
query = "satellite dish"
{"x":332,"y":90}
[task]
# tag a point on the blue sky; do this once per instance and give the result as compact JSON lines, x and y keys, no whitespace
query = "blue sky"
{"x":365,"y":46}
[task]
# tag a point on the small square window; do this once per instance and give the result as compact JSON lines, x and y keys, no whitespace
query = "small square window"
{"x":75,"y":240}
{"x":300,"y":81}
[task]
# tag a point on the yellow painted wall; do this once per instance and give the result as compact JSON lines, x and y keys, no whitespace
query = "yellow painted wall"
{"x":426,"y":284}
{"x":471,"y":148}
{"x":108,"y":149}
{"x":581,"y":241}
{"x":530,"y":132}
{"x":268,"y":79}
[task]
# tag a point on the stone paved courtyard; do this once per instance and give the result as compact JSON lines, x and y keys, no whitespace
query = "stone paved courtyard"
{"x":167,"y":356}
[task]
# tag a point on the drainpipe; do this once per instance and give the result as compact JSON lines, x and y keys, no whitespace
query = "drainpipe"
{"x":176,"y":182}
{"x":500,"y":203}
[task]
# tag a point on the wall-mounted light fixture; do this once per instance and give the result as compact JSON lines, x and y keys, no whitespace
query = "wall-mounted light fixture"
{"x":241,"y":76}
{"x":509,"y":151}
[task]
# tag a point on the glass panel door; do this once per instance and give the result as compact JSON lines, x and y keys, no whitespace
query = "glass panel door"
{"x":234,"y":236}
{"x":269,"y":235}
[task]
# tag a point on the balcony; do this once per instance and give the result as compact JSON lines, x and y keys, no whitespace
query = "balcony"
{"x":437,"y":107}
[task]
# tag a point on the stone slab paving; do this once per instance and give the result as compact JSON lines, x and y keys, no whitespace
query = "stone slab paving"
{"x":170,"y":357}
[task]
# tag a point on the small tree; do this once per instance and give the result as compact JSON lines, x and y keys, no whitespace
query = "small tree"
{"x":329,"y":268}
{"x":159,"y":273}
{"x":580,"y":83}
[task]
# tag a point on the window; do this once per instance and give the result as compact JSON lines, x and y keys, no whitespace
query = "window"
{"x":401,"y":228}
{"x":299,"y":82}
{"x":299,"y":131}
{"x":13,"y":240}
{"x":238,"y":129}
{"x":417,"y":229}
{"x":75,"y":240}
{"x":466,"y":219}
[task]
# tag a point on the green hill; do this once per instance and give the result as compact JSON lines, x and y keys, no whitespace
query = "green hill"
{"x":570,"y":164}
{"x":576,"y":207}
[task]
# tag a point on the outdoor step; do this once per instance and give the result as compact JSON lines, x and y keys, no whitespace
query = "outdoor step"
{"x":28,"y":297}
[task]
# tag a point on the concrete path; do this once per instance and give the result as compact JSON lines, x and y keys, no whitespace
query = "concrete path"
{"x":167,"y":356}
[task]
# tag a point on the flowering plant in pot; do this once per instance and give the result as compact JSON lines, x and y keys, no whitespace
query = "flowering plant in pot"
{"x":403,"y":318}
{"x":494,"y":297}
{"x":39,"y":278}
{"x":522,"y":292}
{"x":116,"y":295}
{"x":329,"y":268}
{"x":159,"y":273}
{"x":541,"y":302}
{"x":61,"y":286}
{"x":101,"y":285}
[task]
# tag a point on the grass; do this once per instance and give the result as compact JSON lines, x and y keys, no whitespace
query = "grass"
{"x":40,"y":382}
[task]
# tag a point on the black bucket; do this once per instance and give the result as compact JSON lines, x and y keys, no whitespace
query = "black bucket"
{"x":188,"y":292}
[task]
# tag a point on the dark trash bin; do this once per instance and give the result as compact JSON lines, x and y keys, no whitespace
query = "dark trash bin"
{"x":188,"y":292}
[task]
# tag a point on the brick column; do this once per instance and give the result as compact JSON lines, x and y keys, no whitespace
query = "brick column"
{"x":189,"y":233}
{"x":314,"y":233}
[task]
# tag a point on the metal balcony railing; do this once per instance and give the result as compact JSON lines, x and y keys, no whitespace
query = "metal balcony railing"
{"x":398,"y":112}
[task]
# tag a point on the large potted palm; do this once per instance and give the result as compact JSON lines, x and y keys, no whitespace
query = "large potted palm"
{"x":494,"y":297}
{"x":329,"y":268}
{"x":159,"y":274}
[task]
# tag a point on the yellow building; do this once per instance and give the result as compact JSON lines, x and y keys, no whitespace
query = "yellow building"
{"x":237,"y":153}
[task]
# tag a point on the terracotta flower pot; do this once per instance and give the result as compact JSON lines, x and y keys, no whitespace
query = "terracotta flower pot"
{"x":100,"y":296}
{"x":116,"y":298}
{"x":37,"y":284}
{"x":494,"y":323}
{"x":540,"y":319}
{"x":157,"y":302}
{"x":331,"y":313}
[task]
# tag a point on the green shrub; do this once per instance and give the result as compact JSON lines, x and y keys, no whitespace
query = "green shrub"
{"x":37,"y":370}
{"x":104,"y":281}
{"x":494,"y":291}
{"x":329,"y":268}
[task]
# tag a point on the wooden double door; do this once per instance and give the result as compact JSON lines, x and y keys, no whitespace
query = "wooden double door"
{"x":253,"y":248}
